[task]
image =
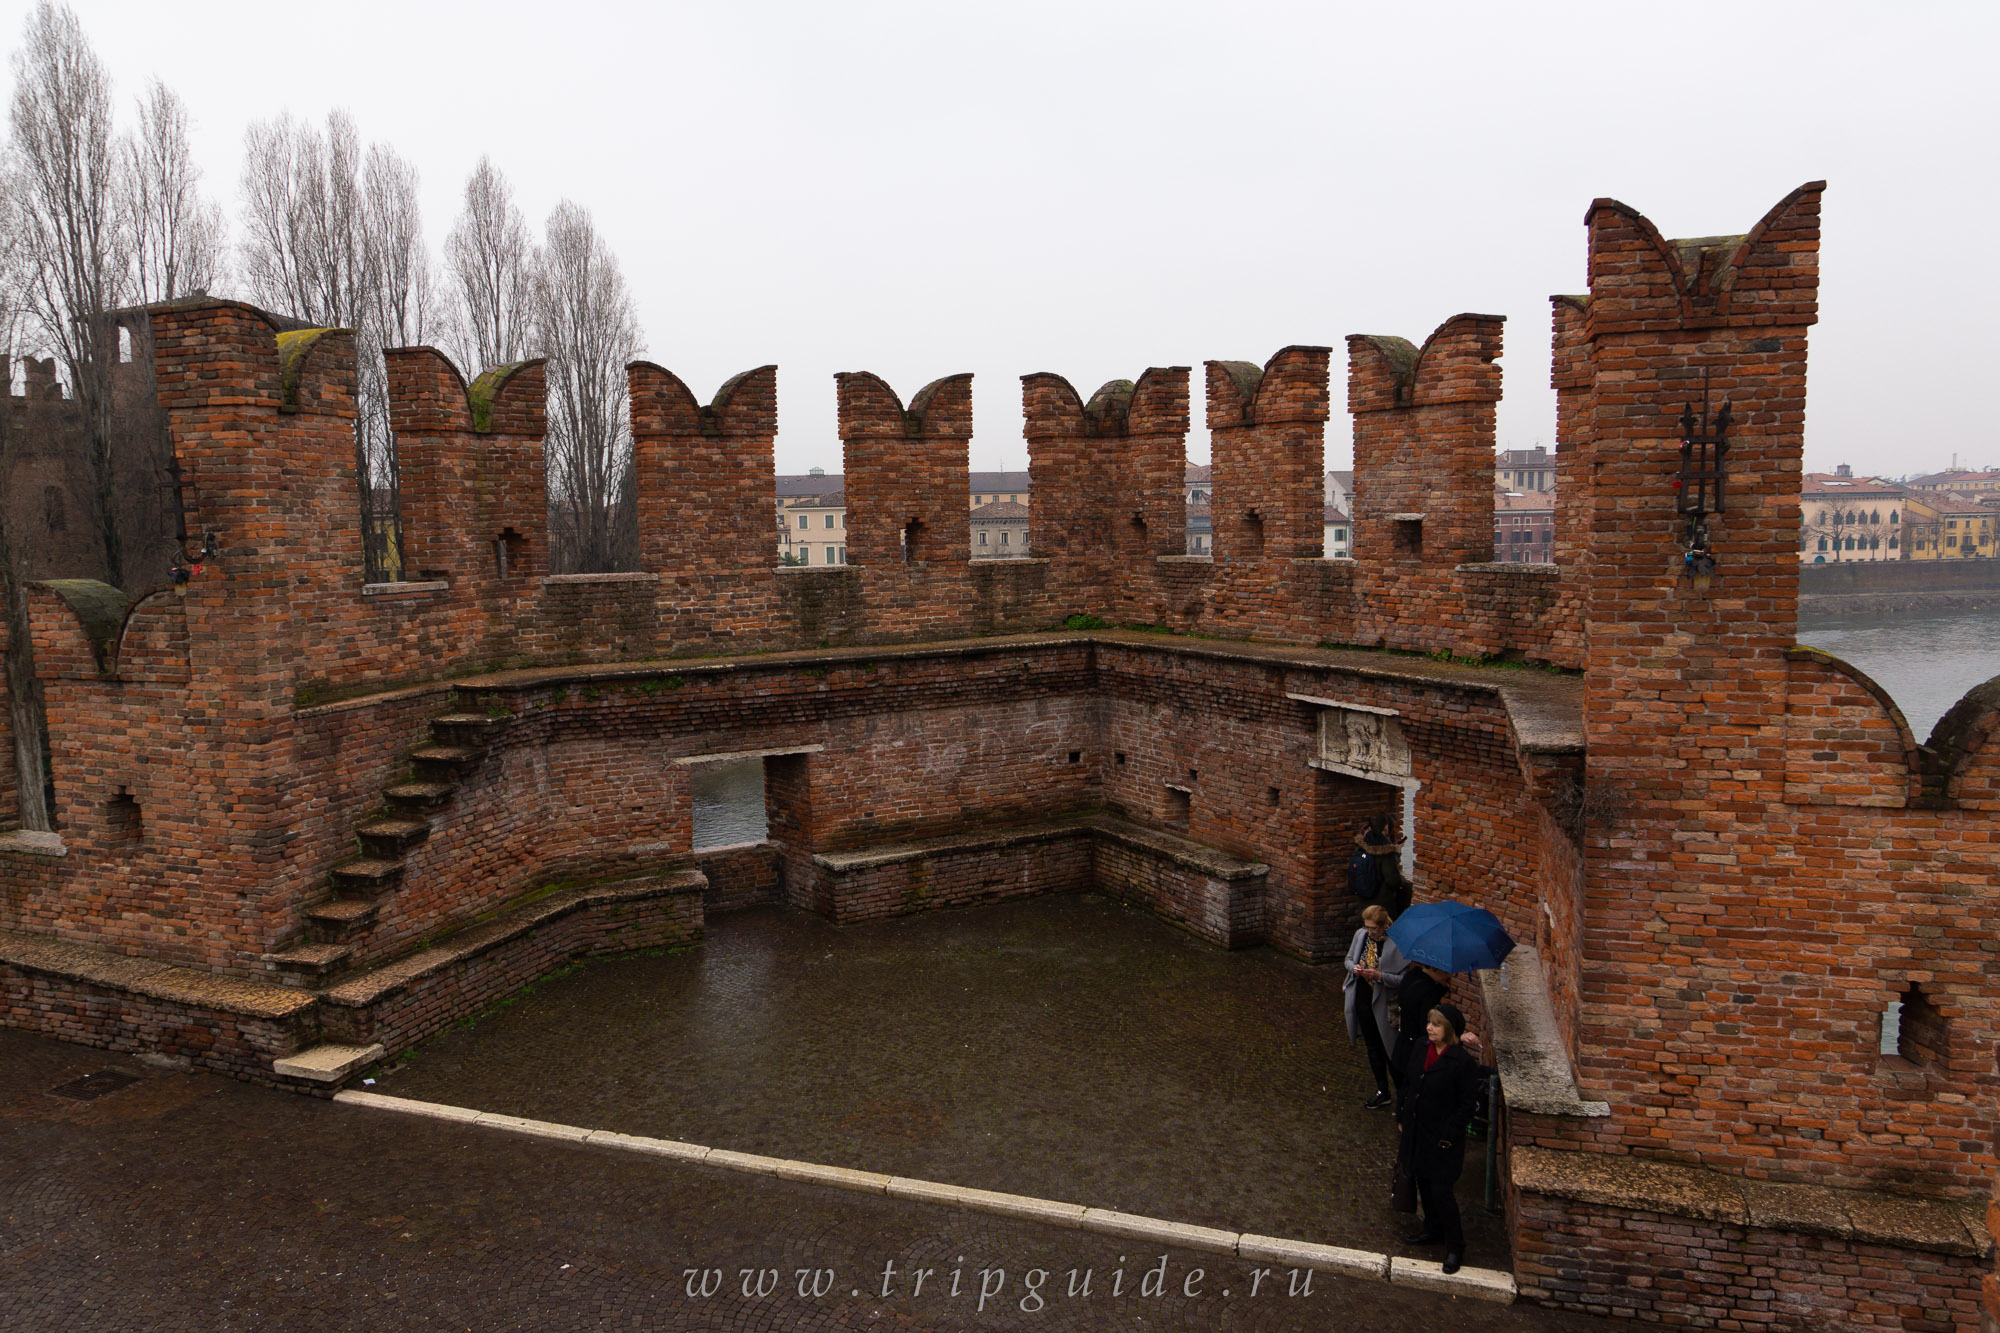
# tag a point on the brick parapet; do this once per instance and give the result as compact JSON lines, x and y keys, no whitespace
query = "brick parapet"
{"x":704,"y":485}
{"x":1423,"y":446}
{"x":1267,"y":432}
{"x":1106,"y":479}
{"x":1759,"y":859}
{"x":1572,"y":377}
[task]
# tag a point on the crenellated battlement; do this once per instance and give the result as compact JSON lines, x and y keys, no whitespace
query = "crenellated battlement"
{"x":1726,"y":852}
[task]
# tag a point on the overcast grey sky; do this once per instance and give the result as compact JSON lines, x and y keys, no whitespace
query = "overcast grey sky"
{"x":1091,"y":188}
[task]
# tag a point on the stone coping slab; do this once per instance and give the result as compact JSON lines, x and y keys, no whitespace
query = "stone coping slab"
{"x":30,"y":842}
{"x":327,"y":1064}
{"x":1480,"y":1283}
{"x":1528,"y":1046}
{"x":1941,"y":1226}
{"x":373,"y":986}
{"x":150,"y":977}
{"x":1546,"y":707}
{"x":1189,"y":855}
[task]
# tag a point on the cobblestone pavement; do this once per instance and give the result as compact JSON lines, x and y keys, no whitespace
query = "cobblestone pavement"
{"x":186,"y":1201}
{"x":1068,"y":1048}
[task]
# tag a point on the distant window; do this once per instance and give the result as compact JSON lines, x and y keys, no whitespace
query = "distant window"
{"x":829,"y":520}
{"x":804,"y":520}
{"x":1892,"y":543}
{"x":55,"y":514}
{"x":1892,"y":516}
{"x":982,"y":539}
{"x":1006,"y":538}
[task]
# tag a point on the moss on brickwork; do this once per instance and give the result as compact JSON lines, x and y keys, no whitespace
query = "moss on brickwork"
{"x":293,"y":349}
{"x":485,"y":389}
{"x":100,"y":608}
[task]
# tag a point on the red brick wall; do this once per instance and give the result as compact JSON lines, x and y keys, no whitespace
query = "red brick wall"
{"x":1571,"y":376}
{"x":1765,"y":873}
{"x":1267,"y":429}
{"x":1107,"y":483}
{"x":88,"y":1015}
{"x":705,"y":492}
{"x":1641,"y":1265}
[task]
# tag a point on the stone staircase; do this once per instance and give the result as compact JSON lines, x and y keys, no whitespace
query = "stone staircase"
{"x":337,"y":928}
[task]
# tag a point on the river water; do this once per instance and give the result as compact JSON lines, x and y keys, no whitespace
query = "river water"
{"x":1926,"y":662}
{"x":728,"y":803}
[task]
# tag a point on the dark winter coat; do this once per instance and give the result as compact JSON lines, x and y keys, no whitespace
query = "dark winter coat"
{"x":1437,"y":1105}
{"x":1415,"y":998}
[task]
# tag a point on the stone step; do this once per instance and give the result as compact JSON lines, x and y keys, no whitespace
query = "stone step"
{"x":409,"y":798}
{"x":389,"y":838}
{"x":332,"y":1063}
{"x":306,"y":964}
{"x":342,"y":918}
{"x":371,"y":876}
{"x":467,"y":729}
{"x":435,"y":763}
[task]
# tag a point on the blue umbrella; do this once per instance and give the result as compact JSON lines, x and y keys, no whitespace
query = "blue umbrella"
{"x":1451,"y":937}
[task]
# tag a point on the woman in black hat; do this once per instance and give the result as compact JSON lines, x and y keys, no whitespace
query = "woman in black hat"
{"x":1441,"y":1086}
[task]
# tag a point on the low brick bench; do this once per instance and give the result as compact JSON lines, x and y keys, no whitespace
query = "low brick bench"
{"x":1209,"y":892}
{"x":405,"y":1001}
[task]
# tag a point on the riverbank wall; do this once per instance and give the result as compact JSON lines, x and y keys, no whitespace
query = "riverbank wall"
{"x":1894,"y":587}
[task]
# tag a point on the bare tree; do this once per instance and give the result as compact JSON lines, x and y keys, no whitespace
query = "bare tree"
{"x":178,"y":238}
{"x":75,"y":255}
{"x":589,"y":332}
{"x":489,"y":263}
{"x":303,"y":250}
{"x":402,"y":300}
{"x":337,"y":239}
{"x":24,"y":707}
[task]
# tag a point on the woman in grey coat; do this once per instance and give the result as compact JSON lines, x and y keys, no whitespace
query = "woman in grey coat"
{"x":1374,"y":969}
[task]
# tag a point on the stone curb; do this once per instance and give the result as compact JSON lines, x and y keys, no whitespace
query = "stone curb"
{"x":1479,"y":1283}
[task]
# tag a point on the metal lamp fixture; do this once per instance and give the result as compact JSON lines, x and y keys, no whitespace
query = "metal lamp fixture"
{"x":1698,"y":490}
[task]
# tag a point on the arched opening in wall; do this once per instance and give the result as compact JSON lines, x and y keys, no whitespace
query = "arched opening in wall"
{"x":510,"y":552}
{"x":913,"y":542}
{"x":55,"y":510}
{"x":124,"y":822}
{"x":1253,"y":535}
{"x":124,"y":345}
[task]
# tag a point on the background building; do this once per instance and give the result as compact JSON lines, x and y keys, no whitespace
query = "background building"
{"x":1524,"y":526}
{"x":1525,"y":470}
{"x":1843,"y":517}
{"x":1000,"y":530}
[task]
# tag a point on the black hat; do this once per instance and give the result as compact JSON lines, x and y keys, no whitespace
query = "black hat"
{"x":1454,"y":1016}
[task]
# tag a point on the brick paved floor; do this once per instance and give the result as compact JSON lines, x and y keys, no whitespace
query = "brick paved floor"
{"x":1068,"y":1048}
{"x":186,"y":1201}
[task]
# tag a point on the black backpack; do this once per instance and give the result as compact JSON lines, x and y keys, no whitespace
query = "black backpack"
{"x":1362,"y":881}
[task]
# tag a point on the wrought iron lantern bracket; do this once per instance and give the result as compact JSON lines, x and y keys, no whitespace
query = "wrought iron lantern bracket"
{"x":1698,"y":492}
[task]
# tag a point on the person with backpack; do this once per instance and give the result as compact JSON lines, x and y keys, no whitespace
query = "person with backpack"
{"x":1384,"y":849}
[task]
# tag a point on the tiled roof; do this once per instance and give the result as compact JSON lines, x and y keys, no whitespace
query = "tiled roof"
{"x":1831,"y":485}
{"x":999,"y":509}
{"x":1518,"y":502}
